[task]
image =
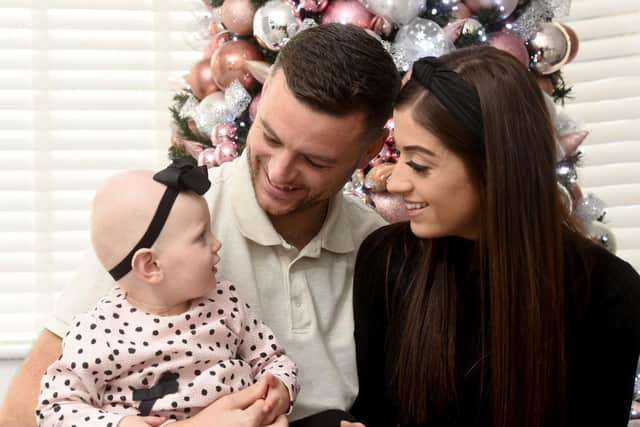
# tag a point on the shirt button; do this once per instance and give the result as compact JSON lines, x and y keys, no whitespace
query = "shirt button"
{"x":298,"y":304}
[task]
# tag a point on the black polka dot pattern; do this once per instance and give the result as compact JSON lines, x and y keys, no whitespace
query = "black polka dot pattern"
{"x":215,"y":348}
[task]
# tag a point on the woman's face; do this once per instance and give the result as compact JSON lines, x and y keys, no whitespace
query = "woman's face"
{"x":440,"y":197}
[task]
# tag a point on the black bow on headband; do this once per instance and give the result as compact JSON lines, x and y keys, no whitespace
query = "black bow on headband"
{"x":455,"y":94}
{"x":180,"y":175}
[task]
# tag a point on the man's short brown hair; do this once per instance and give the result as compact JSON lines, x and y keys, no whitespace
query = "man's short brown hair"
{"x":339,"y":69}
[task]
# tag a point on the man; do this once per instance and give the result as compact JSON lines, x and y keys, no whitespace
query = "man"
{"x":289,"y":236}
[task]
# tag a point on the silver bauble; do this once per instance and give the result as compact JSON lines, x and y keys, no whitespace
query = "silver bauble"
{"x":274,"y":24}
{"x":422,"y":37}
{"x":551,"y":47}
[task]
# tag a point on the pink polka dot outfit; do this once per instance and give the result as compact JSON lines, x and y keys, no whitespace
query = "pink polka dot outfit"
{"x":117,"y":360}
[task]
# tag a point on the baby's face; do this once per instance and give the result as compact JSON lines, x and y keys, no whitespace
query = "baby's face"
{"x":187,"y":250}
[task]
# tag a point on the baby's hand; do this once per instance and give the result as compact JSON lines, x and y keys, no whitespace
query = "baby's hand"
{"x":277,"y":399}
{"x":133,"y":421}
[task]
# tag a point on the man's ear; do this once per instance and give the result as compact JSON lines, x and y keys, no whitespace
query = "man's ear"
{"x":373,"y":149}
{"x":145,"y":265}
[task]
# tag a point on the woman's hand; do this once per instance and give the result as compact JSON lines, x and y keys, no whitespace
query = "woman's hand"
{"x":348,"y":424}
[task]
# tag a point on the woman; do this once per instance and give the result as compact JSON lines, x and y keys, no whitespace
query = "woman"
{"x":488,"y":308}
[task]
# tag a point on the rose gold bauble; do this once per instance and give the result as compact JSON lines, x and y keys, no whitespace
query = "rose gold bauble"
{"x":201,"y":80}
{"x":237,"y":16}
{"x":510,"y":43}
{"x":573,"y":39}
{"x":347,"y":12}
{"x":227,"y":63}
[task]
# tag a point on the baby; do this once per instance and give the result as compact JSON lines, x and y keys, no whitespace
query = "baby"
{"x":167,"y":340}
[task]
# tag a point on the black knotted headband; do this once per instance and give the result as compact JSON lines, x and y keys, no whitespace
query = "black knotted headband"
{"x":180,"y":175}
{"x":454,"y":93}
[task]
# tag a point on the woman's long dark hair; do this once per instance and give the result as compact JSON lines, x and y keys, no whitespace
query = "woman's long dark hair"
{"x":520,"y":254}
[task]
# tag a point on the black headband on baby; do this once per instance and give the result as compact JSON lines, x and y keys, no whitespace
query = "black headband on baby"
{"x":180,"y":175}
{"x":455,"y":94}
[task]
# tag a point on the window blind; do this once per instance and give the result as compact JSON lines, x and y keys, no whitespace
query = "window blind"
{"x":606,"y":86}
{"x":84,"y":93}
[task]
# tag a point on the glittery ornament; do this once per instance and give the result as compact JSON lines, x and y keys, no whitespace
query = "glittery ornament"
{"x":551,"y":47}
{"x":590,"y":208}
{"x":307,"y":23}
{"x":397,"y":11}
{"x":566,"y":173}
{"x":211,"y":111}
{"x":274,"y":24}
{"x":601,"y":234}
{"x":390,"y":206}
{"x":347,"y":12}
{"x":526,"y":25}
{"x":236,"y":99}
{"x":422,"y":37}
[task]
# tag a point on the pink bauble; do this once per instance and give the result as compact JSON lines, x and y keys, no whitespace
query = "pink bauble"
{"x":313,"y":5}
{"x":511,"y":43}
{"x":227,"y":63}
{"x":223,"y":131}
{"x":226,"y":151}
{"x":505,"y":7}
{"x":390,"y":206}
{"x":253,"y":108}
{"x":201,"y":79}
{"x":207,"y":158}
{"x":347,"y":12}
{"x":215,"y":42}
{"x":237,"y":16}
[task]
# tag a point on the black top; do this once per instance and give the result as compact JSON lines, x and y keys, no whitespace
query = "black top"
{"x":602,"y":347}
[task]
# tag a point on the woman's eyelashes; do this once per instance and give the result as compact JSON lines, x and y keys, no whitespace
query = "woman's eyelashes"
{"x":417,"y":167}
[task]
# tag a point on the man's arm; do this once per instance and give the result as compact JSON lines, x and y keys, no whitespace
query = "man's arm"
{"x":19,"y":405}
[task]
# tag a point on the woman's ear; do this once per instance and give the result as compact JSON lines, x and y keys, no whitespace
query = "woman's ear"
{"x":145,"y":265}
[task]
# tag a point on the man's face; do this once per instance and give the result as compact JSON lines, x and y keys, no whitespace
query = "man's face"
{"x":300,"y":157}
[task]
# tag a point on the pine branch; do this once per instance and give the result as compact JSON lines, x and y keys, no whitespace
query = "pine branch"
{"x":183,"y":127}
{"x":561,"y":91}
{"x":258,"y":3}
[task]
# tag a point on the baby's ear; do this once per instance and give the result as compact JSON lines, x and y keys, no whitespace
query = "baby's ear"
{"x":145,"y":266}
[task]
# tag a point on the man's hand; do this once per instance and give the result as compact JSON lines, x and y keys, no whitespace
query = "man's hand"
{"x":134,"y":421}
{"x":348,"y":424}
{"x":277,"y":400}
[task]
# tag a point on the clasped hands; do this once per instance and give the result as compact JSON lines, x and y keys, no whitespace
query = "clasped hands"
{"x":263,"y":404}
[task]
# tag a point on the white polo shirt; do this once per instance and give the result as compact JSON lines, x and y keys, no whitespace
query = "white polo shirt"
{"x":304,"y":296}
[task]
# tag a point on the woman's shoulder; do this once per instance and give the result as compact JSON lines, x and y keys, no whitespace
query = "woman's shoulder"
{"x":391,"y":239}
{"x":613,"y":276}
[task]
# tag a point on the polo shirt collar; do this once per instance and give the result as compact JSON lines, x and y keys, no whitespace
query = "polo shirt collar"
{"x":335,"y":234}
